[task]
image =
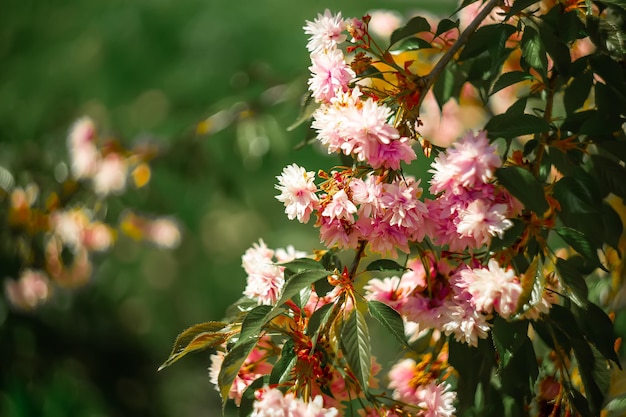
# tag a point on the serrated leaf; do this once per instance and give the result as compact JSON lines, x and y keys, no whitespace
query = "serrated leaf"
{"x":613,"y":227}
{"x":510,"y":125}
{"x":415,"y":25}
{"x":318,"y":319}
{"x":593,"y":372}
{"x":574,"y":196}
{"x":385,"y":265}
{"x":509,"y":78}
{"x":231,"y":365}
{"x":285,"y":364}
{"x":556,"y":48}
{"x":198,"y":337}
{"x":525,"y":187}
{"x":532,"y":281}
{"x":255,"y":320}
{"x":390,"y":319}
{"x":579,"y":242}
{"x":533,"y":51}
{"x":355,"y":343}
{"x":508,"y":337}
{"x":573,"y":281}
{"x":299,"y":281}
{"x":598,"y":329}
{"x":302,"y":264}
{"x":411,"y":44}
{"x":448,"y":85}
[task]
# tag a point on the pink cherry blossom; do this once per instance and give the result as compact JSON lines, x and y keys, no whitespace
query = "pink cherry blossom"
{"x":481,"y":220}
{"x":326,"y":31}
{"x":492,"y":288}
{"x":297,"y":192}
{"x":330,"y":75}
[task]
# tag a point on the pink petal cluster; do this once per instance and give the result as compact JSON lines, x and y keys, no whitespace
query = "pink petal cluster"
{"x":297,"y":192}
{"x":491,"y":288}
{"x":360,"y":128}
{"x":271,"y":402}
{"x":427,"y":298}
{"x":344,"y":121}
{"x":27,"y":292}
{"x":265,"y":278}
{"x":469,"y":209}
{"x":433,"y":399}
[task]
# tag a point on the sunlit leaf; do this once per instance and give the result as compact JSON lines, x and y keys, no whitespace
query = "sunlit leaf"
{"x":302,"y":264}
{"x":411,"y":44}
{"x":231,"y":365}
{"x":445,"y":25}
{"x":509,"y":78}
{"x":525,"y":187}
{"x":390,"y":319}
{"x":573,"y":281}
{"x":355,"y":343}
{"x":533,"y":51}
{"x":299,"y":281}
{"x":198,"y":337}
{"x":283,"y":368}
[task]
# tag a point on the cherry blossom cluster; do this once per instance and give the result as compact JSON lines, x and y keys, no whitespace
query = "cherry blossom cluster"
{"x":271,"y":402}
{"x":347,"y":121}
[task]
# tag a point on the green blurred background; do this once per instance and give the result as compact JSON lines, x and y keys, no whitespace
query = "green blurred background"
{"x":151,"y":70}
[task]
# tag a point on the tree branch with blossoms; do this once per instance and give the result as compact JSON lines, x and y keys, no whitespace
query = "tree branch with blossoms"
{"x":493,"y":310}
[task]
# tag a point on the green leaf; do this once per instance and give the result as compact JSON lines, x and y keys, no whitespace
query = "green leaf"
{"x":299,"y":281}
{"x":510,"y":125}
{"x":448,"y":84}
{"x":308,"y":106}
{"x":508,"y":337}
{"x":446,"y":25}
{"x":390,"y":319}
{"x":385,"y":265}
{"x":415,"y":25}
{"x":198,"y":337}
{"x":518,"y":6}
{"x":486,"y":38}
{"x":318,"y":319}
{"x":508,"y":79}
{"x":231,"y":366}
{"x":355,"y":343}
{"x":556,"y":48}
{"x":255,"y":320}
{"x":598,"y":329}
{"x":525,"y":187}
{"x":281,"y":371}
{"x":411,"y":44}
{"x":575,"y":196}
{"x":532,"y":281}
{"x":573,"y":281}
{"x":611,"y":72}
{"x":610,"y":174}
{"x":593,"y":372}
{"x":533,"y":51}
{"x":579,"y":242}
{"x":302,"y":264}
{"x":474,"y":365}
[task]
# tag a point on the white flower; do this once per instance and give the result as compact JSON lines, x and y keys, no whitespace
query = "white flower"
{"x":111,"y":175}
{"x":326,"y":31}
{"x":297,"y":192}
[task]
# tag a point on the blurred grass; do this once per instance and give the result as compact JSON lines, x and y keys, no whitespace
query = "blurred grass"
{"x":152,"y":70}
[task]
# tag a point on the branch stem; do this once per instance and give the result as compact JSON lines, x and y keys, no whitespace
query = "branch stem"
{"x":431,"y":78}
